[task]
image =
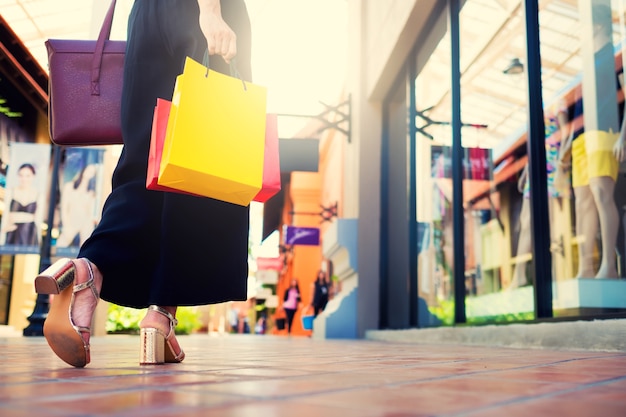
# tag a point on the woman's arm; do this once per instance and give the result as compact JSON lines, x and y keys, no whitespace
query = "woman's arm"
{"x":221,"y":40}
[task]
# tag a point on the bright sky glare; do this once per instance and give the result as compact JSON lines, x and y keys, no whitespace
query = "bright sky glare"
{"x":299,"y":46}
{"x":299,"y":53}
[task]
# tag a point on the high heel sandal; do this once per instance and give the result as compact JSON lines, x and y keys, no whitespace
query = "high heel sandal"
{"x":156,"y":348}
{"x":63,"y":336}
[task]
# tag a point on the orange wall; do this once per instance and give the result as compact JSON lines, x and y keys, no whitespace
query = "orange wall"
{"x":307,"y":193}
{"x":304,"y":262}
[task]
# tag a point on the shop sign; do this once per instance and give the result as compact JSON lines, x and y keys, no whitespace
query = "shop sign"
{"x":309,"y":236}
{"x":269,"y":263}
{"x":477,"y":163}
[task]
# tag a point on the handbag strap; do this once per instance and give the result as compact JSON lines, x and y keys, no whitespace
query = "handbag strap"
{"x":105,"y":33}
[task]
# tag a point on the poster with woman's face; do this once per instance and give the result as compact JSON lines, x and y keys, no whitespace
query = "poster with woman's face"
{"x":80,"y":184}
{"x":25,"y":198}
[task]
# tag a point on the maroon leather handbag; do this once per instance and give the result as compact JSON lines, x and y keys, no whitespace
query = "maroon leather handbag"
{"x":85,"y":88}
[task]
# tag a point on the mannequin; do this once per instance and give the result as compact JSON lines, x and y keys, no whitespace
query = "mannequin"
{"x":558,"y":187}
{"x":524,"y":243}
{"x":595,"y":156}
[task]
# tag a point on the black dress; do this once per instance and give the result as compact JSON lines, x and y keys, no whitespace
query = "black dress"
{"x":165,"y":248}
{"x":24,"y":233}
{"x":320,"y":296}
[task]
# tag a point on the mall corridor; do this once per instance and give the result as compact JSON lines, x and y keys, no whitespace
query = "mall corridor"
{"x":247,"y":375}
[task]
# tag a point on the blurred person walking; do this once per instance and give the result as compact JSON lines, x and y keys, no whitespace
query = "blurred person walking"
{"x":291,"y":302}
{"x":321,"y":291}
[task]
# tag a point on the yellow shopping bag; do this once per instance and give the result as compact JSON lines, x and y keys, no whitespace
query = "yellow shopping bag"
{"x":215,"y":138}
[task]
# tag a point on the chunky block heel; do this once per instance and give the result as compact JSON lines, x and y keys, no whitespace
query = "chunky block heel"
{"x":152,"y":347}
{"x":56,"y":277}
{"x":156,"y":348}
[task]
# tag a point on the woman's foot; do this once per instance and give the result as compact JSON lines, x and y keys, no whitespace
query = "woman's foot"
{"x":85,"y":302}
{"x":76,"y":287}
{"x":158,"y":327}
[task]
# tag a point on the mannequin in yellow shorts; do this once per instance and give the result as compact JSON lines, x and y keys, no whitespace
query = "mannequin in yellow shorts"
{"x":596,"y":155}
{"x":595,"y":158}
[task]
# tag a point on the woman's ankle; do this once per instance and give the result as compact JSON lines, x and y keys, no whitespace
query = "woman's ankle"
{"x":158,"y":320}
{"x":85,"y":270}
{"x":86,"y":300}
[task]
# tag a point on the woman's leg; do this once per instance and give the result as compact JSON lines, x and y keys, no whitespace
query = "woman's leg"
{"x":602,"y":189}
{"x":290,"y":314}
{"x":154,"y":246}
{"x":125,"y":244}
{"x":67,"y":327}
{"x":85,"y":303}
{"x":523,"y":246}
{"x":586,"y":230}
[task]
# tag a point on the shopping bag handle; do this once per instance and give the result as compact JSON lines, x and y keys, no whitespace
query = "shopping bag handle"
{"x":233,"y":68}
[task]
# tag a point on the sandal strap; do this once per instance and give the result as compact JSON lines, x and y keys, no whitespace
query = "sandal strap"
{"x":83,"y":329}
{"x":161,"y":310}
{"x":89,"y":283}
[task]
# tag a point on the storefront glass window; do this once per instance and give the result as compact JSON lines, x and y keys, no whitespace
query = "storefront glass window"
{"x":581,"y":69}
{"x":583,"y":89}
{"x":494,"y":116}
{"x":434,"y":183}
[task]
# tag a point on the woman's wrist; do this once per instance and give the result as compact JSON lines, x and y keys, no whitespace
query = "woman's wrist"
{"x":210,"y":6}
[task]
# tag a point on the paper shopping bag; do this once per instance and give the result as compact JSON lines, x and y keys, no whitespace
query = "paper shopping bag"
{"x":271,"y":163}
{"x":157,"y":137}
{"x":215,"y":137}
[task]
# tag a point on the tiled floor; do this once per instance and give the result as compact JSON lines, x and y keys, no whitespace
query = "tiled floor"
{"x":257,"y":376}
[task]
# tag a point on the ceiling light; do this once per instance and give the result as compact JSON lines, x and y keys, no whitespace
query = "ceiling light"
{"x":514,"y":67}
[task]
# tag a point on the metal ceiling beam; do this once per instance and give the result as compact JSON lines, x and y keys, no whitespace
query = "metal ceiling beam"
{"x":21,"y":69}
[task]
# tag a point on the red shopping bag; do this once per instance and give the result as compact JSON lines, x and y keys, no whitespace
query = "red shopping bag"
{"x":271,"y":162}
{"x":157,"y":138}
{"x":271,"y":165}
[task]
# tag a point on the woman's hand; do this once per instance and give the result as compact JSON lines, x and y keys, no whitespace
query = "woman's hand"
{"x":221,"y":40}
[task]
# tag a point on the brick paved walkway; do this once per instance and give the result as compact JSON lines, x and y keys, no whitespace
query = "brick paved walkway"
{"x":236,"y":375}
